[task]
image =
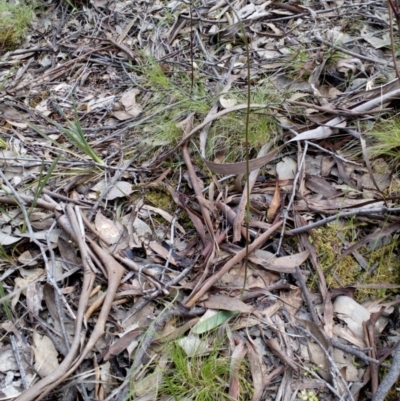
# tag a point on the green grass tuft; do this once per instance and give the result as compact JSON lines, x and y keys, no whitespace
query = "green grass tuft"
{"x":199,"y":378}
{"x":384,"y":140}
{"x":14,"y":19}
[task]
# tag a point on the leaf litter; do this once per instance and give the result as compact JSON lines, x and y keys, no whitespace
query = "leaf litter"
{"x":145,"y":103}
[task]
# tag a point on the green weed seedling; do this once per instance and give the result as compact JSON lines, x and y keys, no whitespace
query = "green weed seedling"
{"x":5,"y":304}
{"x":76,"y":137}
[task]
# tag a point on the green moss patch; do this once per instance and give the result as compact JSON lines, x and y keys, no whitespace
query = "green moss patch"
{"x":382,"y":259}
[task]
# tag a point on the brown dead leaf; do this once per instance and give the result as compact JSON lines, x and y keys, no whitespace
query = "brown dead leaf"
{"x":121,"y":344}
{"x":161,"y":251}
{"x":128,"y":99}
{"x":237,"y":357}
{"x":256,"y":368}
{"x":321,"y":186}
{"x":21,"y":284}
{"x":26,"y":258}
{"x":46,"y":355}
{"x":34,"y":297}
{"x":240,"y":168}
{"x":108,"y":229}
{"x":225,"y":302}
{"x":275,"y":203}
{"x":284,"y":264}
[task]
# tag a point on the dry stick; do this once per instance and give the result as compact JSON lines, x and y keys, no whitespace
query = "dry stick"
{"x":390,"y":378}
{"x":337,"y":344}
{"x":204,"y":211}
{"x":276,"y":349}
{"x":331,"y":361}
{"x":292,"y":198}
{"x":328,"y":308}
{"x":7,"y":200}
{"x":48,"y":383}
{"x":342,"y":113}
{"x":156,"y":293}
{"x":18,"y":359}
{"x":199,"y":194}
{"x":307,"y":296}
{"x":353,"y":351}
{"x":50,"y":332}
{"x":390,"y":6}
{"x":237,"y":258}
{"x":19,"y":200}
{"x":60,"y":70}
{"x":370,"y":330}
{"x":207,"y":55}
{"x":277,"y":371}
{"x":381,"y":210}
{"x":353,"y":54}
{"x":63,"y":198}
{"x":251,"y":180}
{"x":379,"y":100}
{"x":56,"y":290}
{"x":230,"y":215}
{"x":115,"y":272}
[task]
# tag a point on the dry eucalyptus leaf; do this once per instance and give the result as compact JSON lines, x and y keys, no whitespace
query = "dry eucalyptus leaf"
{"x":41,"y":220}
{"x":226,"y":103}
{"x":119,"y":190}
{"x":7,"y":360}
{"x":161,"y":251}
{"x":110,"y":230}
{"x":286,"y":169}
{"x":226,"y":302}
{"x":100,"y":103}
{"x":354,"y":315}
{"x":21,"y":284}
{"x":7,"y":239}
{"x":34,"y":297}
{"x":275,"y":203}
{"x":45,"y":354}
{"x":128,"y":99}
{"x":192,"y":345}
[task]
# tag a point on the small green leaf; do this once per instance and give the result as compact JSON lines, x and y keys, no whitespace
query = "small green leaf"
{"x":212,"y":322}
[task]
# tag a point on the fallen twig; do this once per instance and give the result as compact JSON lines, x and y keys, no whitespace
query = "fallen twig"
{"x":194,"y":297}
{"x":390,"y":378}
{"x":40,"y":389}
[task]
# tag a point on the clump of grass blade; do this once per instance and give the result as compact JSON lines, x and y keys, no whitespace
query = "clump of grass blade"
{"x":202,"y":377}
{"x":14,"y":20}
{"x":74,"y":134}
{"x":384,"y":140}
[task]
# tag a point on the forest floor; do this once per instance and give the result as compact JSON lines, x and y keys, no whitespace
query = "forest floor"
{"x":199,"y":200}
